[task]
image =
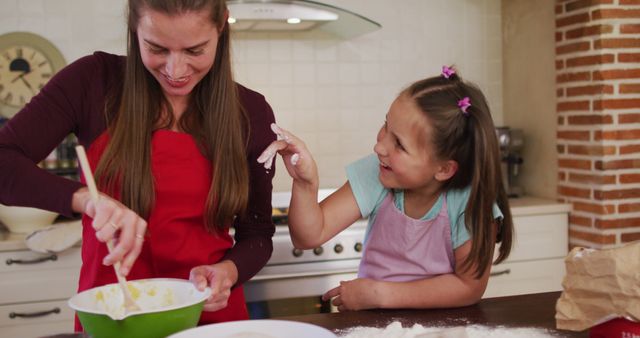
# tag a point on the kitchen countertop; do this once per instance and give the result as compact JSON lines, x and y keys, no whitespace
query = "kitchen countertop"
{"x":532,"y":311}
{"x":10,"y":241}
{"x":528,"y":205}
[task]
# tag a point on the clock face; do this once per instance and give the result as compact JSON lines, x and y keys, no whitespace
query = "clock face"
{"x":27,"y":62}
{"x":23,"y":72}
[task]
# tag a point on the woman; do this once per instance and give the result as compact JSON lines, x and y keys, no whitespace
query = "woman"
{"x":173,"y":142}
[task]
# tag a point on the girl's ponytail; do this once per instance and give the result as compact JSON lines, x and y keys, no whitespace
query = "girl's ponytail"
{"x":464,"y":132}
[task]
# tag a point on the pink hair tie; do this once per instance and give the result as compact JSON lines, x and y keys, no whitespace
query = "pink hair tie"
{"x":447,"y":71}
{"x":464,"y":104}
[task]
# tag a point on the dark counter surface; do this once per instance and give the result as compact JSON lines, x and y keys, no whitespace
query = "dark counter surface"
{"x":533,"y":311}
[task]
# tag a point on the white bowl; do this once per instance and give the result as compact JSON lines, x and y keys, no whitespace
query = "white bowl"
{"x":257,"y":328}
{"x":25,"y":220}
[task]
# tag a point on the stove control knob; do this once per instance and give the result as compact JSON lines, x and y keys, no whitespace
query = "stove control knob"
{"x":338,"y":248}
{"x":297,"y":252}
{"x":358,"y":247}
{"x":318,"y":251}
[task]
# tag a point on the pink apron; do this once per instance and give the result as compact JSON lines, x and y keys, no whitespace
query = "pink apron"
{"x":400,"y":248}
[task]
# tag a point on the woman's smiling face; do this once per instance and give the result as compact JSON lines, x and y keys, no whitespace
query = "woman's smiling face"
{"x":178,"y":50}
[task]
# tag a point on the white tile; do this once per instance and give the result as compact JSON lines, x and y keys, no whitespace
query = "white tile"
{"x":326,"y":50}
{"x":327,"y":97}
{"x":240,"y":73}
{"x":369,"y":49}
{"x":9,"y":10}
{"x":239,"y":50}
{"x":106,"y":30}
{"x":280,"y":50}
{"x":57,"y":28}
{"x":111,"y":8}
{"x":9,"y":24}
{"x":349,"y":52}
{"x":31,"y":7}
{"x":390,"y":50}
{"x":370,"y":72}
{"x":350,"y":96}
{"x":348,"y":120}
{"x":304,"y":121}
{"x":31,"y":24}
{"x":304,"y":73}
{"x":284,"y":117}
{"x":326,"y":73}
{"x":303,"y":50}
{"x":304,"y":97}
{"x":258,"y":50}
{"x":281,"y":74}
{"x":281,"y":97}
{"x":348,"y":73}
{"x":258,"y":73}
{"x":329,"y":143}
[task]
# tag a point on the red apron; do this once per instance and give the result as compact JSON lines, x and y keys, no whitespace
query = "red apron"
{"x":176,"y":239}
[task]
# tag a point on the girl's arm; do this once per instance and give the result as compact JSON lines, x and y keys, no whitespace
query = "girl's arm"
{"x":460,"y":288}
{"x":457,"y":289}
{"x":310,"y":223}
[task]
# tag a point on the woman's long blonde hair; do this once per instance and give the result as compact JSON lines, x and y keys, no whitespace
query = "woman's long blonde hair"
{"x":214,"y":117}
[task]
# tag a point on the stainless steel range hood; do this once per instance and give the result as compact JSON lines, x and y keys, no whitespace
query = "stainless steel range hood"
{"x":296,"y":16}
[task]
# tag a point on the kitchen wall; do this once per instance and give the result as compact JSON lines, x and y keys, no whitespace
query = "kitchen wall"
{"x":333,"y":93}
{"x":530,"y":89}
{"x":598,"y":95}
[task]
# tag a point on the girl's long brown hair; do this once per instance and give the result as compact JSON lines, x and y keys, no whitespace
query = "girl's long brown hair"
{"x":470,"y":140}
{"x":214,"y":117}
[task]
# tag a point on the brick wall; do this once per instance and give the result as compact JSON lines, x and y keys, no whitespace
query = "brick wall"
{"x":598,"y":90}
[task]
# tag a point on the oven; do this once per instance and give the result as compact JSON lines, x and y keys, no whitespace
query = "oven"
{"x":293,"y":280}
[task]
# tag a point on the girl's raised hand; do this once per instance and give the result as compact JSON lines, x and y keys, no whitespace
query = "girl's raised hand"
{"x":297,"y":159}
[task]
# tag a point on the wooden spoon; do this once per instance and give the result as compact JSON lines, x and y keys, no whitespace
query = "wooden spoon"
{"x":129,"y":304}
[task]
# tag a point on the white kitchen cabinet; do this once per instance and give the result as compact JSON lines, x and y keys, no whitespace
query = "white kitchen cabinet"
{"x":34,"y":289}
{"x":536,"y":263}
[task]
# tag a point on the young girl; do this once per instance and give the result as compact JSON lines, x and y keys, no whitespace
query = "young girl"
{"x":433,"y":195}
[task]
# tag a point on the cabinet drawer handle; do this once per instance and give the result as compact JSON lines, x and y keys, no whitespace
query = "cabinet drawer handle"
{"x":13,"y":315}
{"x":498,"y":273}
{"x":32,"y":261}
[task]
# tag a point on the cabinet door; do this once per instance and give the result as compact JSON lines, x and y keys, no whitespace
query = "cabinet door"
{"x":36,"y":319}
{"x":518,"y":278}
{"x":23,"y":278}
{"x":539,"y":237}
{"x":25,"y":260}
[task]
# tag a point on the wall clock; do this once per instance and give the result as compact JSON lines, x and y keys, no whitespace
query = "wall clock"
{"x":27,"y":62}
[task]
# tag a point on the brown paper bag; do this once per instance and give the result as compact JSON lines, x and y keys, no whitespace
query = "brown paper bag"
{"x":599,"y":285}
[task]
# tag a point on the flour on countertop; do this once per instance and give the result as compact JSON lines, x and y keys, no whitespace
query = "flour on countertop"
{"x":395,"y":330}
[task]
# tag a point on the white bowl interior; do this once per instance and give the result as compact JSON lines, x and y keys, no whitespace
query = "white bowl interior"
{"x":151,"y":295}
{"x":25,"y":220}
{"x":257,"y":328}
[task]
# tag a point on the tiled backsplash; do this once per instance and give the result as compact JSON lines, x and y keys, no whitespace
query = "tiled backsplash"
{"x":332,"y":93}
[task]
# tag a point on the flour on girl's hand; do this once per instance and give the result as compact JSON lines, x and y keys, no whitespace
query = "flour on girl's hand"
{"x":395,"y":330}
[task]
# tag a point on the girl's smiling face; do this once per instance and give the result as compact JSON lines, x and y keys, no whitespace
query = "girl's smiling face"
{"x":405,"y":149}
{"x":178,"y":50}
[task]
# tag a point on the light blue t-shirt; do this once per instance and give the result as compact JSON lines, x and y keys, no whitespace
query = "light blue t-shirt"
{"x":369,"y":194}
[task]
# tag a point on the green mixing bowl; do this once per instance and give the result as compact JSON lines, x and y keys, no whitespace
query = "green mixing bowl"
{"x":168,"y":306}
